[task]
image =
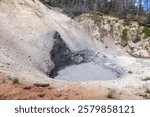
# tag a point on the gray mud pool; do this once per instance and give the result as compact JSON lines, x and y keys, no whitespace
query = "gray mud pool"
{"x":85,"y":72}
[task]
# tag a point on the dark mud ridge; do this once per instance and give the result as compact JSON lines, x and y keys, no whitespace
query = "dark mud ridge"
{"x":63,"y":57}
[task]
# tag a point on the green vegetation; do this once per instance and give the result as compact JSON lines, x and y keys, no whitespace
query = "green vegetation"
{"x":124,"y":36}
{"x":15,"y":81}
{"x":97,"y":18}
{"x":111,"y":28}
{"x":143,"y":19}
{"x":137,"y":37}
{"x":146,"y":31}
{"x":126,"y":23}
{"x":110,"y":95}
{"x":147,"y":95}
{"x":147,"y":91}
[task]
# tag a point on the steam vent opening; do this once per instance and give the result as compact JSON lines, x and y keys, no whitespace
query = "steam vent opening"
{"x":84,"y":65}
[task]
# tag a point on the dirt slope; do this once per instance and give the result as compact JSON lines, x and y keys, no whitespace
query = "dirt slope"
{"x":24,"y":91}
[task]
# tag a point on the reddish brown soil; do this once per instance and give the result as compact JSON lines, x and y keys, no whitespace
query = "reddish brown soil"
{"x":24,"y":91}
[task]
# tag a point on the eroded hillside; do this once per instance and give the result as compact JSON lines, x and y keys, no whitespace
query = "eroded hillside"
{"x":119,"y":34}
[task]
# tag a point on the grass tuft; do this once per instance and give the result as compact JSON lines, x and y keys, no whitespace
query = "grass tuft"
{"x":124,"y":36}
{"x":126,"y":23}
{"x":15,"y":81}
{"x":146,"y":31}
{"x":110,"y":95}
{"x":97,"y":18}
{"x":147,"y":91}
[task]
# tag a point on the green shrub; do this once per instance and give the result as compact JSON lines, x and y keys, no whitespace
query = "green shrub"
{"x":147,"y":95}
{"x":111,"y":29}
{"x":110,"y":95}
{"x":147,"y":91}
{"x":126,"y":23}
{"x":146,"y":31}
{"x":15,"y":81}
{"x":97,"y":18}
{"x":124,"y":35}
